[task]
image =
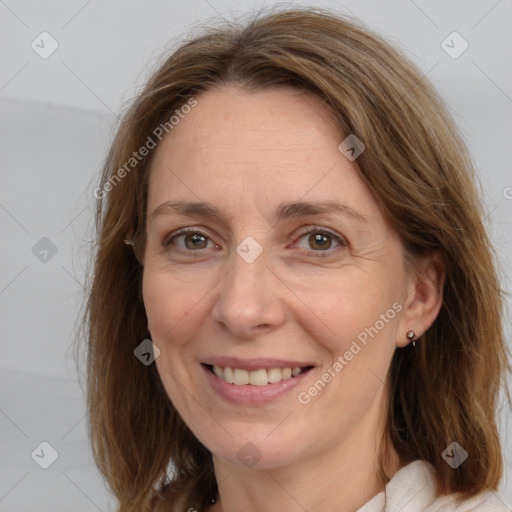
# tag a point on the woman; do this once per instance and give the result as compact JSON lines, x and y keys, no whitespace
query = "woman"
{"x":294,"y":304}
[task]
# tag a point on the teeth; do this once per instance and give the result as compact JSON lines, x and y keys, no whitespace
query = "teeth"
{"x":241,"y":377}
{"x":228,"y":375}
{"x":274,"y":375}
{"x":260,"y":377}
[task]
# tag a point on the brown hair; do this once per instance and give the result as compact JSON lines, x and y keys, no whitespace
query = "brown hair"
{"x":420,"y":173}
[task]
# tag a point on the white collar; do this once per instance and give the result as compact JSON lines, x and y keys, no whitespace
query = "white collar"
{"x":412,"y":489}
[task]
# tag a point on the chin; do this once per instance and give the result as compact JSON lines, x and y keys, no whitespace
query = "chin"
{"x":257,"y":450}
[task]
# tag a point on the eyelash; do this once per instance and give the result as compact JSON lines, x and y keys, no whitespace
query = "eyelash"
{"x":322,"y":254}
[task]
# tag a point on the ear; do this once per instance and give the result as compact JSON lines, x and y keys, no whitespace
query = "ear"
{"x":423,"y":297}
{"x":128,"y":238}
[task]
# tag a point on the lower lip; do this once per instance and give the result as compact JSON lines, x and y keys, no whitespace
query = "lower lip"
{"x":250,"y":395}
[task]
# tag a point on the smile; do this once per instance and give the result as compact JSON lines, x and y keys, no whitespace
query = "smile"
{"x":259,"y":377}
{"x":255,"y":386}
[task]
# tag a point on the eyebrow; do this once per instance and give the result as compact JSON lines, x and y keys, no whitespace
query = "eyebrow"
{"x":289,"y":210}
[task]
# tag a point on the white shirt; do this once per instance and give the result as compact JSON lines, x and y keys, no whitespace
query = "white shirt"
{"x":412,"y":489}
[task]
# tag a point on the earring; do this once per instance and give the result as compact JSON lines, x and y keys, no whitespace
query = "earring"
{"x":410,"y":336}
{"x":128,"y":242}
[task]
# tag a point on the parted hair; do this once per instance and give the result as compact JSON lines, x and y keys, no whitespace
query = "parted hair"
{"x":420,"y":173}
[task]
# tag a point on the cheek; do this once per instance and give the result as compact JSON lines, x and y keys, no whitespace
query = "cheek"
{"x":352,"y":306}
{"x":171,"y":305}
{"x":172,"y":318}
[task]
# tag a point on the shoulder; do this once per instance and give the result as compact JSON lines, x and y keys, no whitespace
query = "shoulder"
{"x":487,"y":501}
{"x":413,"y":488}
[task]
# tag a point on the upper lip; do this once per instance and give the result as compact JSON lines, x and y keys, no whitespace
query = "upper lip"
{"x":254,"y":364}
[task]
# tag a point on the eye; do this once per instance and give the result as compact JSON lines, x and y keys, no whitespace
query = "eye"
{"x":320,"y":239}
{"x":192,"y":239}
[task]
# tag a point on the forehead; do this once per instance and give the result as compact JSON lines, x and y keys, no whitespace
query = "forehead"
{"x":254,"y":125}
{"x":262,"y":147}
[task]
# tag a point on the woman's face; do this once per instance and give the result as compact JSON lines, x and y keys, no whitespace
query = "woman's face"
{"x":279,"y":279}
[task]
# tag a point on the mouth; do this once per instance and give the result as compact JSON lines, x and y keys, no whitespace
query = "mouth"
{"x":258,"y":376}
{"x":255,"y":382}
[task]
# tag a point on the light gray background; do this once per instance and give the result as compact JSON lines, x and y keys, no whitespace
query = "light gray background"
{"x":57,"y":119}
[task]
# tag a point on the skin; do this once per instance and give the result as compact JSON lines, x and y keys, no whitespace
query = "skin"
{"x":246,"y":153}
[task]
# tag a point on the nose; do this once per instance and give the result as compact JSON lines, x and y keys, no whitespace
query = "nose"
{"x":250,"y":298}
